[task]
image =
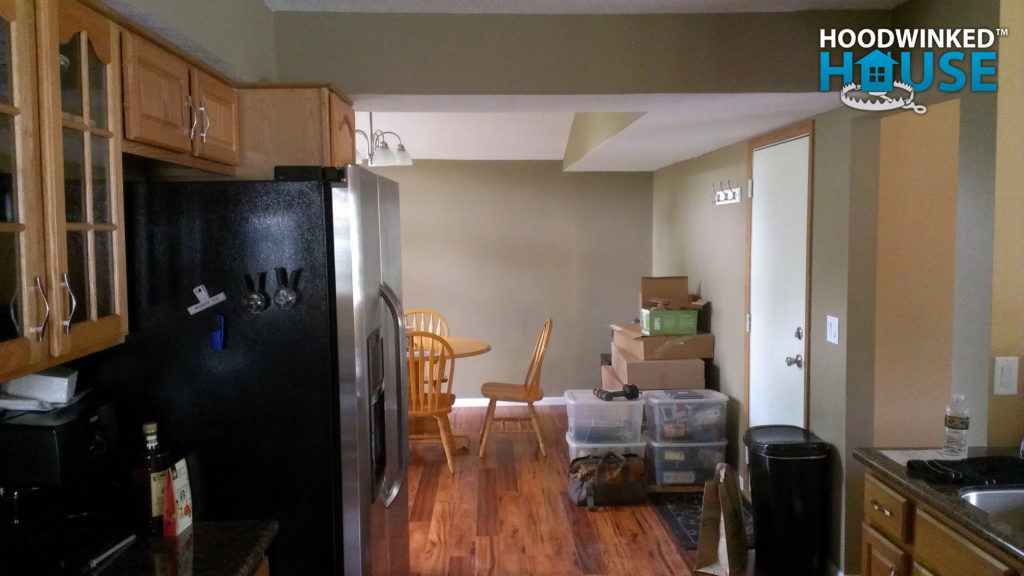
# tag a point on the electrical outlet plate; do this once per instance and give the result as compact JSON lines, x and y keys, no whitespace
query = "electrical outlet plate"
{"x":832,"y":329}
{"x":1004,"y":375}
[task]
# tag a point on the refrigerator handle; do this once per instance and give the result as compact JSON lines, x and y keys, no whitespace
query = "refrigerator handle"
{"x":401,"y":425}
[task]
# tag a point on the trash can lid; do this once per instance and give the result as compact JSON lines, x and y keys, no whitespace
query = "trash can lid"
{"x":784,"y":440}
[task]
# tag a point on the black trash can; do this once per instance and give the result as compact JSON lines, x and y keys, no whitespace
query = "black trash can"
{"x":789,"y":493}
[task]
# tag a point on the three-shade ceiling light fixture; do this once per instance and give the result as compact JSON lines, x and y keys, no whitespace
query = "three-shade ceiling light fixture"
{"x":377,"y":150}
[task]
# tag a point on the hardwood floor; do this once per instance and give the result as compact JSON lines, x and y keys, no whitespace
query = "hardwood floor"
{"x":509,"y":513}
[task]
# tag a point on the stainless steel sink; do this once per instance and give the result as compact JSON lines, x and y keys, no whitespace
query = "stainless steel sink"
{"x":1003,"y":503}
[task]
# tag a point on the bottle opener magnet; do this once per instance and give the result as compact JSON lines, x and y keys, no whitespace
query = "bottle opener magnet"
{"x":287,"y":292}
{"x":255,"y":301}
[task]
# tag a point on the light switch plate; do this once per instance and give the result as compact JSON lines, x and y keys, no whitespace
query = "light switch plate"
{"x":1004,"y":375}
{"x":832,"y":329}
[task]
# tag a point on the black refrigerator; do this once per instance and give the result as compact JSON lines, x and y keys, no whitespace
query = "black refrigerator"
{"x":266,"y":339}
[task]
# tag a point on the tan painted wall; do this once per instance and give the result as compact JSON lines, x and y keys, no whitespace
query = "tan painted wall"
{"x":558,"y":54}
{"x":235,"y":37}
{"x":915,"y":274}
{"x":707,"y":243}
{"x":1006,"y":414}
{"x":496,"y":247}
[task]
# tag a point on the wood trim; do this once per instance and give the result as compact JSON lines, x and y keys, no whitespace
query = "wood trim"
{"x":294,"y":86}
{"x":800,"y":129}
{"x":8,"y":109}
{"x":156,"y":153}
{"x":32,"y":256}
{"x":78,"y":123}
{"x":9,"y":10}
{"x":12,"y":227}
{"x":50,"y":361}
{"x":74,"y":17}
{"x":50,"y":138}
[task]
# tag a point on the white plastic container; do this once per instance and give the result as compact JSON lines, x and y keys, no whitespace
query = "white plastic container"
{"x":579,"y":449}
{"x":685,"y":415}
{"x":596,"y":421}
{"x":684,"y":462}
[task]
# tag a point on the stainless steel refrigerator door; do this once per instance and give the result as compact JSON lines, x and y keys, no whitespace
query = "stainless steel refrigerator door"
{"x":374,"y":436}
{"x":396,"y":495}
{"x":357,"y":346}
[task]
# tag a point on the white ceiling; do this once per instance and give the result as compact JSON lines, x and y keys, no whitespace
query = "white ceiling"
{"x":674,"y":127}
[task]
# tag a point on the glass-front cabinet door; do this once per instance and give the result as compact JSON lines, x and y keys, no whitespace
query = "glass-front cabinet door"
{"x":80,"y":121}
{"x":24,"y":326}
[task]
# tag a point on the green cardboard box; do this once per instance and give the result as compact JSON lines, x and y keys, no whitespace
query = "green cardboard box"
{"x":668,"y":322}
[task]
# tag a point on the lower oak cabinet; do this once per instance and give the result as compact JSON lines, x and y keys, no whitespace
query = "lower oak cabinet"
{"x":902,"y":538}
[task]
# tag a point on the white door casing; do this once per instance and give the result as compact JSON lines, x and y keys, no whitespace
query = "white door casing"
{"x":779,"y":283}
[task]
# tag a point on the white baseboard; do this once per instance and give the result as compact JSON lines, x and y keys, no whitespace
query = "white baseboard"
{"x":482,"y":402}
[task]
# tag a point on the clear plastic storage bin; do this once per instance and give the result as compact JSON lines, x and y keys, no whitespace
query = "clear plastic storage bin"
{"x":685,"y":415}
{"x":685,"y":462}
{"x":578,"y":449}
{"x":596,"y":421}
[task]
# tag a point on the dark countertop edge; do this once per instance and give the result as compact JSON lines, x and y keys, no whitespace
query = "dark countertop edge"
{"x":265,"y":537}
{"x":944,"y":500}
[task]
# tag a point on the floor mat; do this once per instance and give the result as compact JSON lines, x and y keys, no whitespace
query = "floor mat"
{"x":681,"y":513}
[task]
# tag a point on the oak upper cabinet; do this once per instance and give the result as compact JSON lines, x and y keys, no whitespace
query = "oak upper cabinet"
{"x":176,"y":106}
{"x":343,"y":131}
{"x":23,"y":279}
{"x":294,"y":126}
{"x":79,"y":72}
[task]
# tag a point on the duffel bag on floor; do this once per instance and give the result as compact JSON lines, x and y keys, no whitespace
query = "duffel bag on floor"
{"x":607,"y":480}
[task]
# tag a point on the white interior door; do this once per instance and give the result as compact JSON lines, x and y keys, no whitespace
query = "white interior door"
{"x":778,"y":283}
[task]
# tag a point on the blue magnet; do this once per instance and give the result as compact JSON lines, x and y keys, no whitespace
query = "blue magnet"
{"x":217,"y":336}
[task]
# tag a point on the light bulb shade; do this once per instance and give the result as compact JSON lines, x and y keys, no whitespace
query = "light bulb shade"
{"x":402,"y":158}
{"x":383,"y":156}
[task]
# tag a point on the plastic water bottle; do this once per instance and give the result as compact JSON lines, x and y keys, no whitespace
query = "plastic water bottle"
{"x":958,"y":419}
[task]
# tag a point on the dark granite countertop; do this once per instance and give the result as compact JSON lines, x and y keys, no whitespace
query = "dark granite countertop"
{"x":946,"y":500}
{"x":232,"y":548}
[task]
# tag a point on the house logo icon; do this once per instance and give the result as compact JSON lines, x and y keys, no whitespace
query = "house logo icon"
{"x":878,"y":90}
{"x":876,"y":72}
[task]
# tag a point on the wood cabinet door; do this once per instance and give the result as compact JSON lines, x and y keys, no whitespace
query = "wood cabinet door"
{"x":880,"y":557}
{"x":950,"y":554}
{"x":24,"y":326}
{"x":80,"y":133}
{"x":343,"y":131}
{"x":157,"y":102}
{"x":216,"y":105}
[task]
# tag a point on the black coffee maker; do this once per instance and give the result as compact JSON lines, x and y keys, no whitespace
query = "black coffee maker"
{"x":64,"y":492}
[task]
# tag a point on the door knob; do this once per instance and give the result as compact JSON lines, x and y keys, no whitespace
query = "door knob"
{"x":799,"y":361}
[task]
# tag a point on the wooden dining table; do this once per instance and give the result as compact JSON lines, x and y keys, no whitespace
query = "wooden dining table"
{"x":462,"y":347}
{"x":466,"y":347}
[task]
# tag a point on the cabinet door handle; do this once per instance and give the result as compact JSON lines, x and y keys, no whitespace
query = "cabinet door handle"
{"x":206,"y":119}
{"x":879,"y":508}
{"x":41,"y":329}
{"x":193,"y":115}
{"x":66,"y":284}
{"x":13,"y":310}
{"x":892,"y":571}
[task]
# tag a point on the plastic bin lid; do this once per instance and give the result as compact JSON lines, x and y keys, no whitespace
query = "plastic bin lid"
{"x":587,"y":397}
{"x":676,"y":396}
{"x":784,"y":440}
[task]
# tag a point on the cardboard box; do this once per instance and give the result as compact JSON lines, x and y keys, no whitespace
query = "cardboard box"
{"x":609,"y":380}
{"x":681,"y":374}
{"x":666,"y":307}
{"x":668,"y":322}
{"x":674,"y":289}
{"x":629,"y":338}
